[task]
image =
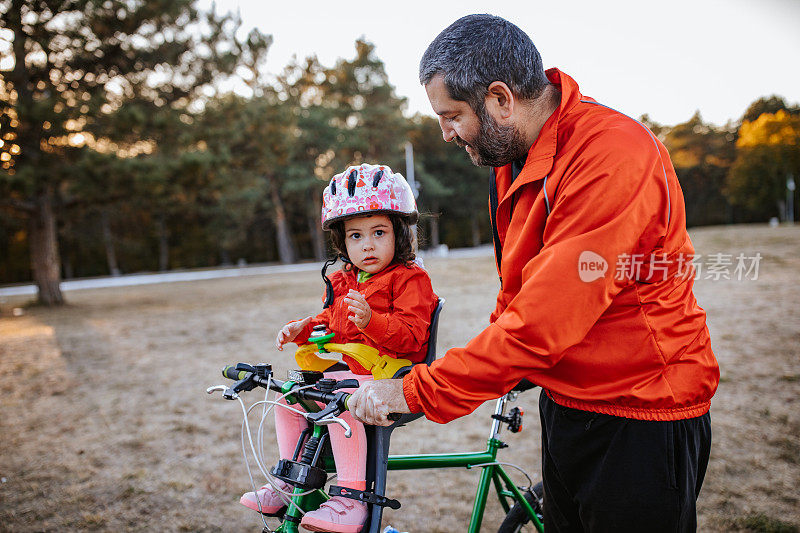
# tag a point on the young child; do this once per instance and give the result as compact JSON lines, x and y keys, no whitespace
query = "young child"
{"x":381,"y":298}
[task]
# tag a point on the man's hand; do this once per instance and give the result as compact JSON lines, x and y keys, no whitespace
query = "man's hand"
{"x":290,"y":331}
{"x":374,"y":400}
{"x":360,"y":309}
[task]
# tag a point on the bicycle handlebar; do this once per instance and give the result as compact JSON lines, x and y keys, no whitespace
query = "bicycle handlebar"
{"x":248,"y":377}
{"x":231,"y":372}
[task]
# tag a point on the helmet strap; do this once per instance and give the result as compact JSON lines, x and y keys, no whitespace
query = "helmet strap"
{"x":328,"y":285}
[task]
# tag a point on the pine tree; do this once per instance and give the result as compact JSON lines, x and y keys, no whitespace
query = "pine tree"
{"x":77,"y":64}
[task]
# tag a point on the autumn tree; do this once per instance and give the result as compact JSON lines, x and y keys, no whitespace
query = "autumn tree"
{"x":767,"y":104}
{"x":768,"y":153}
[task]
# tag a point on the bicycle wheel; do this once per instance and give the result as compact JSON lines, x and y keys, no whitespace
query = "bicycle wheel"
{"x":517,"y":519}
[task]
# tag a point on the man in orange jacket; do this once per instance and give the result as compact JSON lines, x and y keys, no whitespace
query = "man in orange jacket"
{"x":596,"y":302}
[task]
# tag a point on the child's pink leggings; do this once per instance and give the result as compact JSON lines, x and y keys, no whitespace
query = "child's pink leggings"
{"x":350,"y":454}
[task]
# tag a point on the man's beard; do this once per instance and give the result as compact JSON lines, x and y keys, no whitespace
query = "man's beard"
{"x":494,"y":145}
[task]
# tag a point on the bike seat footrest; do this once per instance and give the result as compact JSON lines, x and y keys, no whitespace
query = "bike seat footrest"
{"x":363,"y":496}
{"x":300,"y":475}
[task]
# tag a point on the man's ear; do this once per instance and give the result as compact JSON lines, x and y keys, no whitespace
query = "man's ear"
{"x":500,"y":100}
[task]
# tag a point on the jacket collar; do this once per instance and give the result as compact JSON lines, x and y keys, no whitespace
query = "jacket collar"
{"x":543,"y":151}
{"x":375,"y":282}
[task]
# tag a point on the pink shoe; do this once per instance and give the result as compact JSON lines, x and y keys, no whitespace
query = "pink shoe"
{"x":339,"y":515}
{"x":271,"y":500}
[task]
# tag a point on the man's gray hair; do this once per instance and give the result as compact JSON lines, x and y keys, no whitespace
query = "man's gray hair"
{"x":477,"y":50}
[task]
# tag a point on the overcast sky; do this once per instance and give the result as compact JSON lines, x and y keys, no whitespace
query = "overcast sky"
{"x":666,"y":59}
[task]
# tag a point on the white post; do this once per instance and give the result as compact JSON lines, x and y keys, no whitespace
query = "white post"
{"x":790,"y":187}
{"x":412,"y":182}
{"x":410,"y":169}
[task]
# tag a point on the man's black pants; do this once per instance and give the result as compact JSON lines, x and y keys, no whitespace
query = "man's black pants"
{"x":606,"y":473}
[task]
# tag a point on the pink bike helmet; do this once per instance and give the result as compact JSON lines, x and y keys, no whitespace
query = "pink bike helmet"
{"x":367,"y":189}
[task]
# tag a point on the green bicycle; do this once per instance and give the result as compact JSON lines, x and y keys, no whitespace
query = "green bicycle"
{"x":308,"y":471}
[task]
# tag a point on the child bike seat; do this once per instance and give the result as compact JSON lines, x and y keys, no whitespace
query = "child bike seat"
{"x":378,"y":436}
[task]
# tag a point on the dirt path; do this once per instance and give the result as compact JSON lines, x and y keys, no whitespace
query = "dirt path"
{"x":105,"y":424}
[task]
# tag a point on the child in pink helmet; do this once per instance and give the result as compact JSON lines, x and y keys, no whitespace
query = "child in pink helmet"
{"x":380,"y":298}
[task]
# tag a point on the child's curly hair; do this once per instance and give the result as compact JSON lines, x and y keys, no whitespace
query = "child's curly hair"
{"x":403,"y":241}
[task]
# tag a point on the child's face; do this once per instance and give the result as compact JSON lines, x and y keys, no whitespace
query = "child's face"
{"x":370,"y":242}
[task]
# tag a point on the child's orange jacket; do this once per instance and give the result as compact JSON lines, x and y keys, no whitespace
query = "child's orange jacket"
{"x":629,"y":340}
{"x":401,"y":300}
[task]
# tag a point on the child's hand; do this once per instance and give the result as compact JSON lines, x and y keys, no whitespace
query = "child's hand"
{"x":290,"y":331}
{"x":358,"y":305}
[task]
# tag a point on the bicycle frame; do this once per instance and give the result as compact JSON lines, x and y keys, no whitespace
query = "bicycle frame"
{"x":492,"y":474}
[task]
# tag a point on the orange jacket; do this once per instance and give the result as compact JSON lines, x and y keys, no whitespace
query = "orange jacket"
{"x":402,"y":302}
{"x":627,"y":342}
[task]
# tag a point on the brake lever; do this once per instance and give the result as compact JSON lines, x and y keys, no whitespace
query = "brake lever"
{"x":347,"y":384}
{"x":227,"y":393}
{"x":328,"y":414}
{"x":335,"y":420}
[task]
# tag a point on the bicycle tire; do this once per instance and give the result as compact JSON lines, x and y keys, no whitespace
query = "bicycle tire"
{"x":517,"y":517}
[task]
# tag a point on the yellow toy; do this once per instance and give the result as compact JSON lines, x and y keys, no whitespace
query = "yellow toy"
{"x":308,"y":356}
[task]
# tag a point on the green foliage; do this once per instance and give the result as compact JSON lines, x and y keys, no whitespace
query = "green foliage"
{"x":248,"y":138}
{"x":453,"y":189}
{"x":366,"y":110}
{"x":87,"y":70}
{"x":112,"y":123}
{"x":108,"y":76}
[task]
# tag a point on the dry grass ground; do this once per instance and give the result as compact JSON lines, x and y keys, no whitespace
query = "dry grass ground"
{"x":105,"y":425}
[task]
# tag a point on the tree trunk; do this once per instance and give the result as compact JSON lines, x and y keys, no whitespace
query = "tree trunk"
{"x":476,"y":232}
{"x":108,"y":243}
{"x":435,"y":227}
{"x":163,"y":243}
{"x":66,"y":264}
{"x":782,"y":215}
{"x":285,"y":248}
{"x":45,"y":261}
{"x":43,"y":238}
{"x":315,"y":228}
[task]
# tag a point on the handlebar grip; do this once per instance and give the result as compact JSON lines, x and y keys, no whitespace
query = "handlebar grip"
{"x":230,"y":372}
{"x":394,"y":417}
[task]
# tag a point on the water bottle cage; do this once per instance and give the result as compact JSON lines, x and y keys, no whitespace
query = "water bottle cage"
{"x":363,"y":496}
